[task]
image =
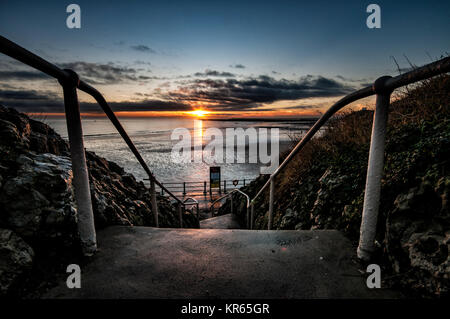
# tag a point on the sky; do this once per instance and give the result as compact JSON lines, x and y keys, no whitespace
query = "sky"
{"x":230,"y":58}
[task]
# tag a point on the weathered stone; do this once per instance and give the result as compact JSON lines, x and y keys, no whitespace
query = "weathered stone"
{"x":9,"y":132}
{"x":16,"y":259}
{"x":417,"y":235}
{"x":37,"y":194}
{"x":289,"y":219}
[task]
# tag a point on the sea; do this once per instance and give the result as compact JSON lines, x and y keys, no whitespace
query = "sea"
{"x":153,"y":138}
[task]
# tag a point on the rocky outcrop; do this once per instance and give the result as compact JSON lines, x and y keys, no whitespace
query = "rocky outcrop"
{"x":16,"y":259}
{"x":38,"y":212}
{"x":37,"y":203}
{"x":418,"y":236}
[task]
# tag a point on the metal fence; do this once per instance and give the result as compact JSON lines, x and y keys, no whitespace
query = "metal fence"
{"x":202,"y":188}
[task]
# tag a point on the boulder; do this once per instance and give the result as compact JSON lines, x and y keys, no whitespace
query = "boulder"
{"x":38,"y":202}
{"x":289,"y":219}
{"x":16,"y":260}
{"x":417,"y":236}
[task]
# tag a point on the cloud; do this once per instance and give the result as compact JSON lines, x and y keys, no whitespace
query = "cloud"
{"x":23,"y":75}
{"x":233,"y":94}
{"x":147,"y":105}
{"x":34,"y":101}
{"x":214,"y":73}
{"x":294,"y":107}
{"x":140,"y":62}
{"x":363,"y":82}
{"x":237,"y":66}
{"x":97,"y":73}
{"x":26,"y":95}
{"x":93,"y":73}
{"x":218,"y":94}
{"x":143,"y":48}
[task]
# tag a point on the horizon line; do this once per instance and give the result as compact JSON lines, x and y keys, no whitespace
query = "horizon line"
{"x":175,"y":114}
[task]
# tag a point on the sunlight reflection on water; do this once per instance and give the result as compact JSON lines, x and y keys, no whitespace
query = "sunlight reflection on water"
{"x":152,"y":138}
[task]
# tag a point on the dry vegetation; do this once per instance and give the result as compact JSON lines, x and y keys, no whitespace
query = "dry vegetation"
{"x":323,"y":186}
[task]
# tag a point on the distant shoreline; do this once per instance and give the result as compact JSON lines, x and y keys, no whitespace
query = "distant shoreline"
{"x":265,"y":120}
{"x":234,"y":119}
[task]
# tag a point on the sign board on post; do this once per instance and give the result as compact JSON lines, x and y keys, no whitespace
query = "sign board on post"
{"x":214,"y":177}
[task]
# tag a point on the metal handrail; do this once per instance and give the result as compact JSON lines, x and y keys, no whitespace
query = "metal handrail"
{"x":383,"y":88}
{"x":230,"y":182}
{"x":228,"y":194}
{"x":193,"y":202}
{"x":23,"y":55}
{"x":236,"y":190}
{"x":115,"y":121}
{"x":424,"y":72}
{"x":191,"y":186}
{"x":192,"y":199}
{"x":70,"y":81}
{"x":365,"y":92}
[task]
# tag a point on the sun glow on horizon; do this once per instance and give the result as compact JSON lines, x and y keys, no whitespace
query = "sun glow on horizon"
{"x":199,"y":113}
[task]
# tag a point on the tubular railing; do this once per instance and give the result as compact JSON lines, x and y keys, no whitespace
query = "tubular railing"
{"x":70,"y":82}
{"x":230,"y":194}
{"x":204,"y":186}
{"x":192,"y":201}
{"x":382,"y":88}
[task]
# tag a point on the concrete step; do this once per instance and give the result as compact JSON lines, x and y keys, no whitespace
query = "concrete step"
{"x":144,"y":262}
{"x":227,"y":221}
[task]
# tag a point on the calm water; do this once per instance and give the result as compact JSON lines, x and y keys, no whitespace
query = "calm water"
{"x":152,"y":137}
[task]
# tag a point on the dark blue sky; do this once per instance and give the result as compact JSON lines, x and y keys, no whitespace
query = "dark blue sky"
{"x":157,"y":49}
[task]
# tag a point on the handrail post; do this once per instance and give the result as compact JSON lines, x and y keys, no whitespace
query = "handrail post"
{"x":374,"y":171}
{"x":153,"y":198}
{"x":198,"y":212}
{"x":224,"y":186}
{"x":204,"y":188}
{"x":86,"y":227}
{"x":162,"y":189}
{"x":184,"y":188}
{"x":248,"y":217}
{"x":180,"y":214}
{"x":231,"y":199}
{"x":252,"y":215}
{"x":272,"y":190}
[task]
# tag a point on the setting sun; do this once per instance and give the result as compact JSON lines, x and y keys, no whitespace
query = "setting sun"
{"x":199,"y":113}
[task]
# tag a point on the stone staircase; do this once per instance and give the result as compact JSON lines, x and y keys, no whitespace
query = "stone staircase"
{"x":145,"y":262}
{"x":227,"y":221}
